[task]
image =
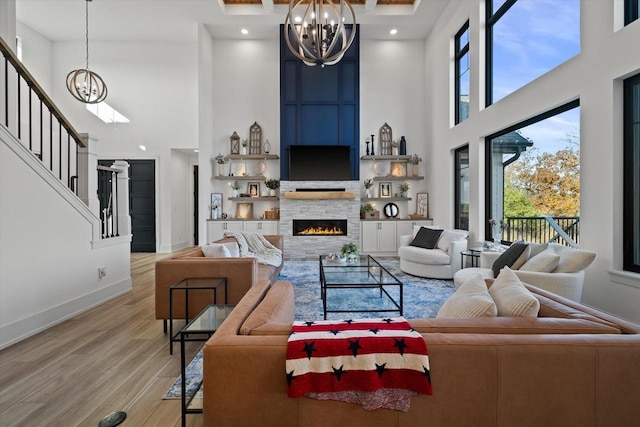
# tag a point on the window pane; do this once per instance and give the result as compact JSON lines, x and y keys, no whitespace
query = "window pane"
{"x":464,"y":39}
{"x":631,"y":204}
{"x":463,"y":99}
{"x":497,"y":4}
{"x":531,"y":38}
{"x":535,"y":179}
{"x":462,"y":188}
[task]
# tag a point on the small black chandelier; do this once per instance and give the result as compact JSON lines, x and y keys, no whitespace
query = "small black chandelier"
{"x":86,"y":86}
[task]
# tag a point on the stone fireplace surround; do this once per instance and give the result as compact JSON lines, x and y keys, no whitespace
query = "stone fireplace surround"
{"x":299,"y":247}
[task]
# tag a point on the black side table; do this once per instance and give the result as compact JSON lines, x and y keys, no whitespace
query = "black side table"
{"x":203,"y":326}
{"x":474,"y":253}
{"x":189,"y":284}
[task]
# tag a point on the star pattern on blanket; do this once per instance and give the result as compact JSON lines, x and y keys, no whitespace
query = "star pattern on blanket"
{"x":334,"y":331}
{"x":400,"y":344}
{"x":374,"y":330}
{"x":380,"y":369}
{"x":309,"y":348}
{"x":354,"y":346}
{"x":338,"y":372}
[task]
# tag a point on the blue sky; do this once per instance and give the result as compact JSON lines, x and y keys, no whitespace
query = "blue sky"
{"x":533,"y":37}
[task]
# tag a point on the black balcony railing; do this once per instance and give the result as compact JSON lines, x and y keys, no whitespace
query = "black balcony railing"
{"x":38,"y":124}
{"x":564,"y":230}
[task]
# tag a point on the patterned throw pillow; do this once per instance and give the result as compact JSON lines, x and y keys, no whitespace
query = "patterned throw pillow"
{"x":471,"y":299}
{"x":426,"y":238}
{"x":515,"y":256}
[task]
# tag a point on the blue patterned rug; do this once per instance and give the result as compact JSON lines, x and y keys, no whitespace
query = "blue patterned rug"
{"x":422,"y":299}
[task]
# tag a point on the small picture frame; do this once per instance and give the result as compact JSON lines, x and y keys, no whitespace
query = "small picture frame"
{"x":398,"y":168}
{"x":385,"y":189}
{"x":422,"y":204}
{"x":253,"y":188}
{"x":244,"y":210}
{"x":216,"y":205}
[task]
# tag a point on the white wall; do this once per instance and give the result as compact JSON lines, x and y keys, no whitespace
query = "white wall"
{"x":37,"y":55}
{"x":392,"y":85}
{"x":182,"y":199}
{"x":154,"y":85}
{"x":594,"y":76}
{"x":245,"y":83}
{"x":48,"y":261}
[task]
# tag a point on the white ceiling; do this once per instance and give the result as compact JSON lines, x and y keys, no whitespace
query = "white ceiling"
{"x":176,"y":20}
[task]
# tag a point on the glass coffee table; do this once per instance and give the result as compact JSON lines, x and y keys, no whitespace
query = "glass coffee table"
{"x":361,"y":286}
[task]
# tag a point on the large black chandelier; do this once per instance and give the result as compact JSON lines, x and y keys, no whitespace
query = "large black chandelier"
{"x":86,"y":86}
{"x":317,"y":31}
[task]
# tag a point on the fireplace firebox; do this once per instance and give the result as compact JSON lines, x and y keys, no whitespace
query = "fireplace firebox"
{"x":319,"y":227}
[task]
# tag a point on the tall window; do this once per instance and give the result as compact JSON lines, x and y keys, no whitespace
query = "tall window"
{"x":527,"y":38}
{"x":631,"y":222}
{"x":533,"y":179}
{"x":631,"y":8}
{"x":462,"y":188}
{"x":462,"y":73}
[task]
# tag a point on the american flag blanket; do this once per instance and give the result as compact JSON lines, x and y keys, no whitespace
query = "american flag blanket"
{"x":379,"y":363}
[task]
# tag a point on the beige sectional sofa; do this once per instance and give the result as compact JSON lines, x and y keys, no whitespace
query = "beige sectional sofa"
{"x":570,"y":366}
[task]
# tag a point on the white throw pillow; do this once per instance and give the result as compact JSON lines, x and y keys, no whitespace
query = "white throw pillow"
{"x":472,"y":299}
{"x":574,"y":260}
{"x":215,"y":250}
{"x":234,"y":249}
{"x":545,"y":262}
{"x":447,"y":237}
{"x":511,"y":296}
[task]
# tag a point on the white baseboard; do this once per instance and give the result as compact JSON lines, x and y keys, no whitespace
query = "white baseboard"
{"x":29,"y":326}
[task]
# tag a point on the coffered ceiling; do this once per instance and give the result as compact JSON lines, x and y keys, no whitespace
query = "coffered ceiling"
{"x":177,"y":20}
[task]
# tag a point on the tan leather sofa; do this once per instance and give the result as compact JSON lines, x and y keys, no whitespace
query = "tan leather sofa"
{"x":571,"y":366}
{"x":241,"y":274}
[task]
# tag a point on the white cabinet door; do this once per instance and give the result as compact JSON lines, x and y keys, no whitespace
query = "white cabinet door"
{"x":369,"y":235}
{"x":378,"y":236}
{"x":261,"y":227}
{"x":387,"y":237}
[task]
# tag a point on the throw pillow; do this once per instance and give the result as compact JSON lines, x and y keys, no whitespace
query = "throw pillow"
{"x":449,"y":236}
{"x":513,"y":257}
{"x":574,"y":260}
{"x":471,"y":299}
{"x":545,"y":262}
{"x":537,"y":248}
{"x":512,"y":298}
{"x":234,"y":249}
{"x":215,"y":250}
{"x":426,"y":238}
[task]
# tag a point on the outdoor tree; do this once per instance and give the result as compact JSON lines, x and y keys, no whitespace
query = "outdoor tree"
{"x":543,"y":183}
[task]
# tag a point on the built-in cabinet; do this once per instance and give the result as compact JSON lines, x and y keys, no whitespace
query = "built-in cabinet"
{"x":383,"y":237}
{"x":378,"y":236}
{"x":217,"y":228}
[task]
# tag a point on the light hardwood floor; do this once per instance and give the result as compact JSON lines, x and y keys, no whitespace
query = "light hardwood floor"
{"x":113,"y":357}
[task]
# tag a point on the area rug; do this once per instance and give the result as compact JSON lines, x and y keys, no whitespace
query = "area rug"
{"x":422,"y":299}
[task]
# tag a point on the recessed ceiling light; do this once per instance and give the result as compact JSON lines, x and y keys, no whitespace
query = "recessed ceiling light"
{"x":142,"y":147}
{"x":196,"y":151}
{"x":393,"y":32}
{"x":244,"y":31}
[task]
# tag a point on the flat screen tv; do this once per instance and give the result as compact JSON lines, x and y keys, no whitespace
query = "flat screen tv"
{"x":319,"y":163}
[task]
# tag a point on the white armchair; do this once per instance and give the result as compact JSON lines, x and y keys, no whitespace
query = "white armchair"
{"x":439,"y":263}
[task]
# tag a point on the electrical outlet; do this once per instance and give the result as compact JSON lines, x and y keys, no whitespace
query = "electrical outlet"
{"x":102,"y":272}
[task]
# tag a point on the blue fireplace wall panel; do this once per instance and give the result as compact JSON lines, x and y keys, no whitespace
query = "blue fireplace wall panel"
{"x":320,"y":105}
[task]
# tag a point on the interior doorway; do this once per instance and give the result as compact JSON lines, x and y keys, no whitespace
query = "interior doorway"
{"x":142,"y":203}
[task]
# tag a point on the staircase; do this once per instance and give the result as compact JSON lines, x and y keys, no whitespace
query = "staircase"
{"x":55,"y":259}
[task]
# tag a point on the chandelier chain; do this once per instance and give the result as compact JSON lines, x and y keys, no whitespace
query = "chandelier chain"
{"x":86,"y":36}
